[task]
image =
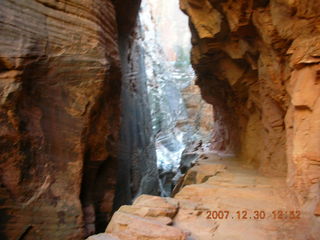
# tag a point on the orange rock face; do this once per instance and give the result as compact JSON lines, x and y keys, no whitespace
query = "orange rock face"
{"x":221,"y":198}
{"x":258,"y":64}
{"x":61,"y":68}
{"x":200,"y":112}
{"x":60,"y":84}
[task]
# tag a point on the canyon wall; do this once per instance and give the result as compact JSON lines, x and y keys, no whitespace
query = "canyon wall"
{"x":179,"y":115}
{"x":181,"y":119}
{"x":163,"y":92}
{"x":257,"y":63}
{"x":60,"y":85}
{"x":138,"y":173}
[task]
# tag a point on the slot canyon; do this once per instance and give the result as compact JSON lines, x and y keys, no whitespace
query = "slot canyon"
{"x":160,"y":119}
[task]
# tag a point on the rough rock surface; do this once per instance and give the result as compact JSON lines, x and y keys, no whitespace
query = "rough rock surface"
{"x":179,"y":115}
{"x":257,"y":63}
{"x":102,"y":236}
{"x":132,"y":227}
{"x":138,"y":172}
{"x":200,"y":114}
{"x":164,"y":82}
{"x":175,"y":101}
{"x":60,"y":82}
{"x":60,"y":90}
{"x":145,"y":220}
{"x":259,"y":208}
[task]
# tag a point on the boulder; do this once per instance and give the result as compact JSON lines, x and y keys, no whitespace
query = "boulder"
{"x":131,"y":227}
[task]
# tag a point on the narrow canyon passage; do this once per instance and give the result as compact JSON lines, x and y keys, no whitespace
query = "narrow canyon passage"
{"x":229,"y":160}
{"x":180,"y":119}
{"x":159,"y":119}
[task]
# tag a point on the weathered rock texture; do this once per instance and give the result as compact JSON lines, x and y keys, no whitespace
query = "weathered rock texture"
{"x":148,"y":218}
{"x":179,"y":115}
{"x":137,"y":156}
{"x":257,"y":63}
{"x":226,"y":187}
{"x":60,"y":81}
{"x":200,"y":114}
{"x":164,"y":83}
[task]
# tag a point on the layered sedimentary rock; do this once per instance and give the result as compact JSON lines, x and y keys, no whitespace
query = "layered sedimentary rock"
{"x":257,"y":63}
{"x":179,"y":115}
{"x":200,"y":115}
{"x":137,"y":155}
{"x":164,"y":84}
{"x":60,"y":84}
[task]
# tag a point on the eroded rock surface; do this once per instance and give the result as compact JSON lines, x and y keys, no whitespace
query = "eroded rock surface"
{"x":247,"y":205}
{"x":179,"y":115}
{"x":138,"y":172}
{"x":61,"y":68}
{"x":60,"y":90}
{"x":257,"y":63}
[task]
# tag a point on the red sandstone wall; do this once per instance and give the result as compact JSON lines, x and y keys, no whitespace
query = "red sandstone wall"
{"x":60,"y":83}
{"x":258,"y":64}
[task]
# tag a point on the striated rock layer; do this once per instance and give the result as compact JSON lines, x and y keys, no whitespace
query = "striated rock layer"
{"x":180,"y":118}
{"x":257,"y":63}
{"x":60,"y":84}
{"x":137,"y":155}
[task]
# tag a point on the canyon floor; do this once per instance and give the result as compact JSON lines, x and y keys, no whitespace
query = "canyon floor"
{"x":221,"y":199}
